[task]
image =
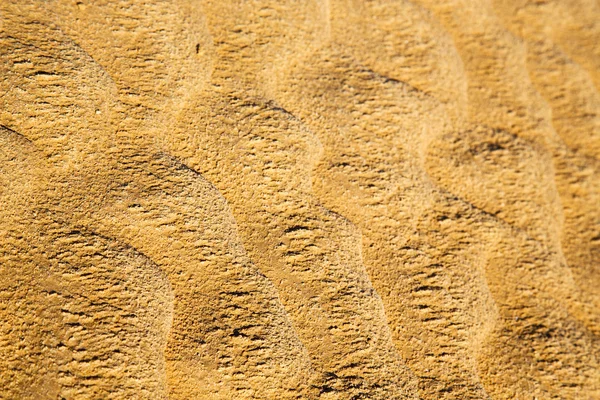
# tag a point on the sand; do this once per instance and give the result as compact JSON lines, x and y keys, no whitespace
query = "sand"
{"x":338,"y":199}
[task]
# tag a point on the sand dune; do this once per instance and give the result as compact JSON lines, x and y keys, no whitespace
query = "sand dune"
{"x":308,"y":200}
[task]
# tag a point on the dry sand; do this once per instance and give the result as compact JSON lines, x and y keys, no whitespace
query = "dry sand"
{"x":320,"y":199}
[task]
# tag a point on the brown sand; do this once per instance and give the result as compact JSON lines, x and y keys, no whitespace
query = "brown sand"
{"x":332,"y":199}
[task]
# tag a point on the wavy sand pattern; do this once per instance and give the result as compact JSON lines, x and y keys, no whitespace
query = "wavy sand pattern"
{"x":335,"y":199}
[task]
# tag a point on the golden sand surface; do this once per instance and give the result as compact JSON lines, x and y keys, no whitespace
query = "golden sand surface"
{"x":316,"y":199}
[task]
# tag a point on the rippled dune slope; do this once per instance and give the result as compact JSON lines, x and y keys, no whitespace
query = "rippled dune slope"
{"x":320,"y":199}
